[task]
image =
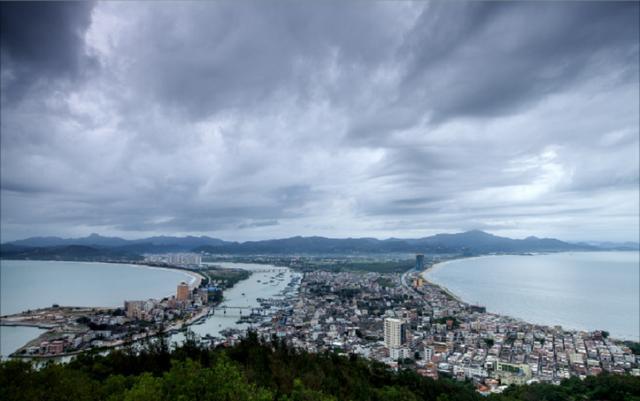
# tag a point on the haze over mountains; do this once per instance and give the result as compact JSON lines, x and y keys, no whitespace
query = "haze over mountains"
{"x":177,"y":243}
{"x":476,"y":242}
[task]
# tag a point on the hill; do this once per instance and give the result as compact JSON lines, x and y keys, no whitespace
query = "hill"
{"x":68,"y":252}
{"x":253,"y":370}
{"x":470,"y":242}
{"x":475,"y":242}
{"x":151,"y":244}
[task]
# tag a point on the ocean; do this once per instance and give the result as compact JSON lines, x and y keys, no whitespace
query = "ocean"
{"x":36,"y":284}
{"x":29,"y":284}
{"x":577,"y":290}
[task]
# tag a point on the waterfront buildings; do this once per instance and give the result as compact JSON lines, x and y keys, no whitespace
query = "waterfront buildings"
{"x":77,"y":329}
{"x":188,"y":259}
{"x":133,"y":309}
{"x":419,"y":262}
{"x":185,"y":259}
{"x":380,"y":317}
{"x":183,"y":292}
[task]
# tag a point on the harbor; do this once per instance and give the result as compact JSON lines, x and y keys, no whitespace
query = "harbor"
{"x":251,"y":303}
{"x":69,"y":330}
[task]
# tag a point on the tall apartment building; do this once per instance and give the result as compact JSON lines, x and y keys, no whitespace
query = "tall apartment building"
{"x":184,"y":259}
{"x":395,"y":333}
{"x":428,"y":353}
{"x":419,"y":262}
{"x":133,"y":309}
{"x":183,"y":292}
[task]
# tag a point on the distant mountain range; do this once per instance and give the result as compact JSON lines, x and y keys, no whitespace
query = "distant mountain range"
{"x":145,"y":245}
{"x":97,"y":247}
{"x":67,"y":252}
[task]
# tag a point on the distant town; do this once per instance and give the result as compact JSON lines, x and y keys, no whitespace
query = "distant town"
{"x":71,"y":330}
{"x":394,"y":317}
{"x":406,"y":322}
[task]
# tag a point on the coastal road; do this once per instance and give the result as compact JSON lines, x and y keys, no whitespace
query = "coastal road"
{"x":405,"y":284}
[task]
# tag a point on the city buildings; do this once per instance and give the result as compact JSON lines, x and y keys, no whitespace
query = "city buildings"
{"x":133,"y":309}
{"x":187,"y":259}
{"x":394,"y":333}
{"x":419,"y":262}
{"x":381,"y":317}
{"x":183,"y":292}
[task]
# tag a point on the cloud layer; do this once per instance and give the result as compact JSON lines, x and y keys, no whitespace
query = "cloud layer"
{"x":267,"y":119}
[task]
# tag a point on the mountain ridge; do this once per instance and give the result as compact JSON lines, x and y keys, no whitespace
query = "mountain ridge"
{"x":474,"y":241}
{"x":97,"y":240}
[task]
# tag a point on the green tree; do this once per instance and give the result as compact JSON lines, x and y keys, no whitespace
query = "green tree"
{"x":146,"y":388}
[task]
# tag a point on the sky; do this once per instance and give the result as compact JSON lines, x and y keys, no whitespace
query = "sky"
{"x":268,"y":119}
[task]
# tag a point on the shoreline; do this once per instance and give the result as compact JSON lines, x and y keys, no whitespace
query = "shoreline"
{"x":195,"y":281}
{"x":196,"y":278}
{"x":170,"y":329}
{"x":444,"y":289}
{"x":457,"y":298}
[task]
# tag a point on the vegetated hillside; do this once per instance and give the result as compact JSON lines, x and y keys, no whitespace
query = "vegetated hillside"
{"x":467,"y":242}
{"x":159,"y":243}
{"x":471,"y":242}
{"x":91,"y":240}
{"x":315,"y":245}
{"x":252,"y":370}
{"x":479,"y":241}
{"x":69,"y":252}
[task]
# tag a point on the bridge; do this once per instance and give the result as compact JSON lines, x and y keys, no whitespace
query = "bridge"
{"x":234,"y":307}
{"x":280,"y":270}
{"x":253,"y":310}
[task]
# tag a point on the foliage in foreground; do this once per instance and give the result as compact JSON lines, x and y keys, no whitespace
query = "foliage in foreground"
{"x":252,"y":370}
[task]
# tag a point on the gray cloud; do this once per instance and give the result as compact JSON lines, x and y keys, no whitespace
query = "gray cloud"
{"x":255,"y":120}
{"x":40,"y":42}
{"x":499,"y":57}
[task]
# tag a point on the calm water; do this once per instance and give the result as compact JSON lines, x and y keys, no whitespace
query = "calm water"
{"x":34,"y":284}
{"x":244,"y":293}
{"x":37,"y":284}
{"x":581,"y":290}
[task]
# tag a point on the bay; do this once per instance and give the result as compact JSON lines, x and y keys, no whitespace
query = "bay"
{"x":26,"y":284}
{"x":577,"y":290}
{"x":14,"y":337}
{"x":34,"y":284}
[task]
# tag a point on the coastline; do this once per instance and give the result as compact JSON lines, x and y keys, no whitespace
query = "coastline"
{"x":443,"y":263}
{"x":194,"y":281}
{"x":170,"y":329}
{"x":173,"y":327}
{"x":561,"y":325}
{"x":197,"y":277}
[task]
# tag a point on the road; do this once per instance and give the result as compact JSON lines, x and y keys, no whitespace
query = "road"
{"x":405,"y":284}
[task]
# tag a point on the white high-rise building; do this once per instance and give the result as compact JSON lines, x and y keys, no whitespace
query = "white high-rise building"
{"x":394,"y":332}
{"x":428,"y":353}
{"x":399,"y":353}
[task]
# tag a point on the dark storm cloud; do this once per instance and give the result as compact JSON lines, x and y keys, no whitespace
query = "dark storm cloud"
{"x":40,"y":41}
{"x":249,"y":120}
{"x":232,"y":55}
{"x":500,"y":57}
